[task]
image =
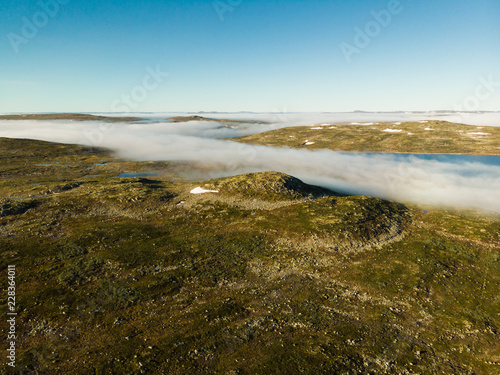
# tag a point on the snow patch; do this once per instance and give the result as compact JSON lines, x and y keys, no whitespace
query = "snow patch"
{"x":200,"y":190}
{"x":393,"y":130}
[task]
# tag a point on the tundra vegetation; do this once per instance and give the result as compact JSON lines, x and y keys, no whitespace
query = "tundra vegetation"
{"x":429,"y":137}
{"x":269,"y":275}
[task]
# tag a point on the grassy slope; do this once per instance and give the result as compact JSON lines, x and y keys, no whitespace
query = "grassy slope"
{"x":446,"y":138}
{"x":117,"y":276}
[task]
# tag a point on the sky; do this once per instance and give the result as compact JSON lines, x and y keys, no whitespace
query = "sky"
{"x":249,"y":55}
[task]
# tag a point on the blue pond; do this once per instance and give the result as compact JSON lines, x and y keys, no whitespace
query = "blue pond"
{"x":445,"y":158}
{"x":125,"y":175}
{"x":33,"y":197}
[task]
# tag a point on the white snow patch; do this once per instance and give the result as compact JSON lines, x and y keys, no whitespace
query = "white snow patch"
{"x":393,"y":130}
{"x":429,"y":129}
{"x":317,"y":128}
{"x":410,"y":133}
{"x":478,"y":133}
{"x":397,"y":123}
{"x":332,"y":127}
{"x":200,"y":190}
{"x":423,"y":122}
{"x":307,"y":143}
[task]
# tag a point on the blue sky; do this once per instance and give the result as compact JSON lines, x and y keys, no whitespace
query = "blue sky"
{"x":249,"y":55}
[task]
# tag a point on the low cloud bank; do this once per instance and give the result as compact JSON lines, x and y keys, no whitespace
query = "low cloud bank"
{"x":445,"y":182}
{"x":279,"y":119}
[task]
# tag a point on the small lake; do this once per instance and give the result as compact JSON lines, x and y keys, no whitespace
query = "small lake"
{"x":33,"y":197}
{"x":128,"y":175}
{"x":442,"y":158}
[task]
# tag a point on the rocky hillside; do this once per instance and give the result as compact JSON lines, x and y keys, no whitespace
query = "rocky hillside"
{"x":267,"y":275}
{"x":425,"y":137}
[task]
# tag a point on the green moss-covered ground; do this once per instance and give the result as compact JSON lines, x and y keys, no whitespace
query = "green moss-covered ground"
{"x":408,"y":137}
{"x":137,"y":275}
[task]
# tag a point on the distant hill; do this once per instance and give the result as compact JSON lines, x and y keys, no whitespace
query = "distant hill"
{"x":68,"y":116}
{"x":267,"y":186}
{"x":419,"y":137}
{"x":224,"y":121}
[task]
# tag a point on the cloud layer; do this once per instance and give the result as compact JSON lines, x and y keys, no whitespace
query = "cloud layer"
{"x":448,"y":181}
